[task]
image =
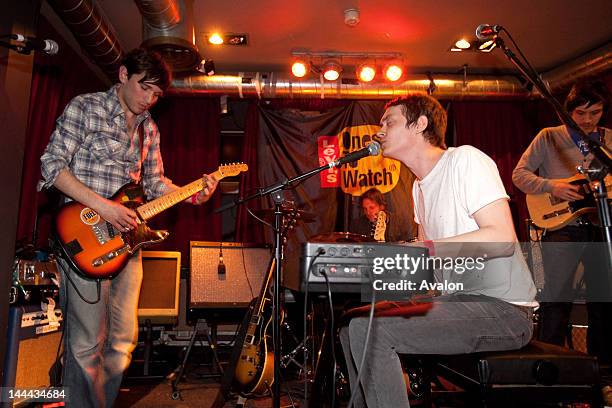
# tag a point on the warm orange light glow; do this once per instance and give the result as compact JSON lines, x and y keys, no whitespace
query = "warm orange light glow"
{"x":366,"y":72}
{"x":463,"y":44}
{"x":331,"y":72}
{"x":215,"y":38}
{"x":393,"y":72}
{"x":299,"y":69}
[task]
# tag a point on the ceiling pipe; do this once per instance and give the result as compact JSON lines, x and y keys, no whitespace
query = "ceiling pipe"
{"x":92,"y":31}
{"x":272,"y":85}
{"x":168,"y":28}
{"x":591,"y":64}
{"x":160,"y":14}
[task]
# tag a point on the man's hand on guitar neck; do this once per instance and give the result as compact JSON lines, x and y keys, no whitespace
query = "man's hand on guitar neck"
{"x":566,"y":191}
{"x":210,"y":185}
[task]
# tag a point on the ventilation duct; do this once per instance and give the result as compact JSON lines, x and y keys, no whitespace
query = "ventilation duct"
{"x":590,"y":64}
{"x":275,"y":86}
{"x":168,"y":29}
{"x":92,"y":31}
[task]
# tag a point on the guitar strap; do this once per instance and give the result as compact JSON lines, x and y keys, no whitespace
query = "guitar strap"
{"x":597,"y":136}
{"x":141,"y":138}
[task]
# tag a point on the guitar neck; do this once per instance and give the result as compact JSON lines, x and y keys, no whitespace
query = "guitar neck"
{"x":154,"y":207}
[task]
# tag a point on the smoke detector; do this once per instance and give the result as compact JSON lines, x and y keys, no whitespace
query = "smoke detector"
{"x":351,"y":17}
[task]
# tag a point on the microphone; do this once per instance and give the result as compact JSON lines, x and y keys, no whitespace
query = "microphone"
{"x":221,"y":266}
{"x":49,"y":47}
{"x":485,"y":31}
{"x":373,"y":149}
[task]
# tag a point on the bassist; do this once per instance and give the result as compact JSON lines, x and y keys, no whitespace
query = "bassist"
{"x":554,"y":154}
{"x":101,"y":142}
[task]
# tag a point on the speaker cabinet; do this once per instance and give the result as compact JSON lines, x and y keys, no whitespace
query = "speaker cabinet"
{"x":234,"y":286}
{"x":159,"y":293}
{"x":32,"y":346}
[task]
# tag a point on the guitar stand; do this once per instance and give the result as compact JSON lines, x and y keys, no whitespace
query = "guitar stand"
{"x":201,"y":327}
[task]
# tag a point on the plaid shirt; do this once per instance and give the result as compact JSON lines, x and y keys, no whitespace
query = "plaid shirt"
{"x":92,"y":141}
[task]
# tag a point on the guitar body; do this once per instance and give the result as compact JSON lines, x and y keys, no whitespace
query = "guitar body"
{"x":96,"y":249}
{"x":255,"y":367}
{"x":552,"y":213}
{"x":93,"y":245}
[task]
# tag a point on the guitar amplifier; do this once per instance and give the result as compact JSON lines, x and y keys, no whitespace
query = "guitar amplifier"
{"x":353,"y":267}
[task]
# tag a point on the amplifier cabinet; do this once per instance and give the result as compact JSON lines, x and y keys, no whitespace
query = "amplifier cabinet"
{"x":232,"y":285}
{"x":159,"y":293}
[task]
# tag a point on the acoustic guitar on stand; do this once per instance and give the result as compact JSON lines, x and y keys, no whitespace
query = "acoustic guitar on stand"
{"x":97,"y":249}
{"x":552,"y":213}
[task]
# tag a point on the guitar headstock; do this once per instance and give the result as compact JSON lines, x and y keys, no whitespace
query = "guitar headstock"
{"x":232,"y":169}
{"x":381,"y":226}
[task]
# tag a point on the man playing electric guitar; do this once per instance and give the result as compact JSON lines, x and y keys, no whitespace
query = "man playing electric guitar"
{"x":101,"y":142}
{"x":555,"y":153}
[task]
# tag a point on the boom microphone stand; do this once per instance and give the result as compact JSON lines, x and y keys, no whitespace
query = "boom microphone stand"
{"x":600,"y":166}
{"x":274,"y":191}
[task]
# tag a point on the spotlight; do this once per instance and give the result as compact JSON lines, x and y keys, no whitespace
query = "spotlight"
{"x":463,"y":44}
{"x":487,"y":46}
{"x":331,"y":70}
{"x":215,"y":38}
{"x":299,"y":68}
{"x":393,"y":72}
{"x":366,"y":72}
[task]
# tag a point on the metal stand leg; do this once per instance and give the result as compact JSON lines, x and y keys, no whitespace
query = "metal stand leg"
{"x":200,"y":328}
{"x":148,"y":347}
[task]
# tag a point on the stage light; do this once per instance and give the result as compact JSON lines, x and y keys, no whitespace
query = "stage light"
{"x":331,"y":70}
{"x":366,"y":72}
{"x":393,"y":72}
{"x":299,"y":68}
{"x":215,"y":38}
{"x":463,"y":44}
{"x":487,"y":46}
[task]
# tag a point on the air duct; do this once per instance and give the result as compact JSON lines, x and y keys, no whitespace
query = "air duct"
{"x":92,"y":31}
{"x":168,"y":29}
{"x":590,"y":64}
{"x":271,"y":85}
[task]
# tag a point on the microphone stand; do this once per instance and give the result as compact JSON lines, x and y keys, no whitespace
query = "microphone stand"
{"x":600,"y":166}
{"x":275,"y":192}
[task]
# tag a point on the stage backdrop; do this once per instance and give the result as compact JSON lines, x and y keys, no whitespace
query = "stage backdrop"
{"x":293,"y":141}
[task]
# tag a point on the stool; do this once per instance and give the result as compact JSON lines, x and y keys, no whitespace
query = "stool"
{"x":536,"y":374}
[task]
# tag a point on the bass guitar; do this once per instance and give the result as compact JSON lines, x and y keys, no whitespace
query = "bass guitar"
{"x":97,"y":249}
{"x":552,"y":213}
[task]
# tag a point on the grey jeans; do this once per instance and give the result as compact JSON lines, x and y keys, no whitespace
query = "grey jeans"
{"x":100,"y":337}
{"x":454,"y":325}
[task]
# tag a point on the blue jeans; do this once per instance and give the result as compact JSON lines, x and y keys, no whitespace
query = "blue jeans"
{"x":455,"y":325}
{"x":100,"y":337}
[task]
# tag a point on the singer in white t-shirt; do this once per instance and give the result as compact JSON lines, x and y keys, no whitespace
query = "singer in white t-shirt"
{"x":460,"y":202}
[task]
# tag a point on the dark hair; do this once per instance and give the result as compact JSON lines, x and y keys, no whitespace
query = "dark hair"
{"x":415,"y":105}
{"x":373,"y":194}
{"x":156,"y":70}
{"x":588,"y":92}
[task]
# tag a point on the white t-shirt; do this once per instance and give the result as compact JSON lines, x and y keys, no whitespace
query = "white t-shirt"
{"x":462,"y":182}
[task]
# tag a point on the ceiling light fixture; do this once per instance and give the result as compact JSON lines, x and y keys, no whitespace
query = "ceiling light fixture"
{"x":331,"y":70}
{"x":473,"y":44}
{"x":299,"y":68}
{"x":393,"y":71}
{"x":366,"y":72}
{"x":226,"y":39}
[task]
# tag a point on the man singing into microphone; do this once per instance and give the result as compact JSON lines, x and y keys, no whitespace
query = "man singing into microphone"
{"x":459,"y":198}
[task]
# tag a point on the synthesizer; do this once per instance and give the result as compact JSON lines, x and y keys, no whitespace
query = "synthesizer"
{"x":353,"y":267}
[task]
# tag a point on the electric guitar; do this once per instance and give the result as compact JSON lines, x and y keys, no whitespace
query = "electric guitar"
{"x":254,"y":372}
{"x":255,"y":367}
{"x":552,"y":213}
{"x":380,"y":227}
{"x":97,"y":249}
